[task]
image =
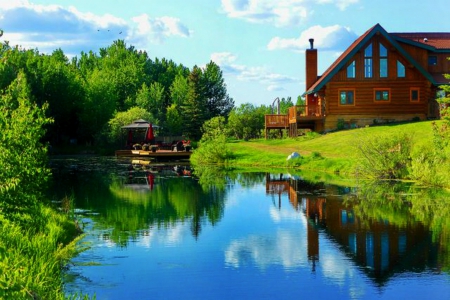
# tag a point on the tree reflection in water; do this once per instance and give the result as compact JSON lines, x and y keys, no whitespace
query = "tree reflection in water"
{"x":384,"y":228}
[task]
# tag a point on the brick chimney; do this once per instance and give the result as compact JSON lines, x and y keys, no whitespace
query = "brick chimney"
{"x":311,"y":65}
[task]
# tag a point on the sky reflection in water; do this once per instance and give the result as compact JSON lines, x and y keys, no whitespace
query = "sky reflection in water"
{"x":258,"y":237}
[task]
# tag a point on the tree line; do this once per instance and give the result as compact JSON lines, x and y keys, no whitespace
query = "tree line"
{"x":92,"y":95}
{"x":85,"y":93}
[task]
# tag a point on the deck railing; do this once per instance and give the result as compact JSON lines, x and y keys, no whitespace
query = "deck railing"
{"x":276,"y":121}
{"x":298,"y":111}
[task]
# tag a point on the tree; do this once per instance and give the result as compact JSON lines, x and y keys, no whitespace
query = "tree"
{"x":194,"y":109}
{"x":246,"y":121}
{"x":174,"y":120}
{"x":179,"y":90}
{"x":218,"y":102}
{"x":23,"y":171}
{"x":151,"y":98}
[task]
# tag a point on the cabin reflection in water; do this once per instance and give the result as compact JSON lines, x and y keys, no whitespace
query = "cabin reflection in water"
{"x":380,"y":248}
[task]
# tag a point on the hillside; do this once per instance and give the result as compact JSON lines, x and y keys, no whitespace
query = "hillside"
{"x":332,"y":152}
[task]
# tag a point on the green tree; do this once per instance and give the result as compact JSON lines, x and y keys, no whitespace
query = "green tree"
{"x":246,"y":121}
{"x":179,"y":90}
{"x":22,"y":155}
{"x":218,"y":102}
{"x":194,"y":109}
{"x":174,"y":120}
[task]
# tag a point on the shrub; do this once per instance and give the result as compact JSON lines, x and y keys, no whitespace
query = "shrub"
{"x":384,"y":156}
{"x":340,"y":124}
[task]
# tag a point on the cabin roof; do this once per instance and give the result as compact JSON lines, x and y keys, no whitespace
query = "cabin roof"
{"x":436,"y":39}
{"x":431,"y":40}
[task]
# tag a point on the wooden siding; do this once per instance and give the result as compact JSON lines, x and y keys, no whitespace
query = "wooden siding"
{"x":421,"y":56}
{"x":364,"y":102}
{"x":400,"y":88}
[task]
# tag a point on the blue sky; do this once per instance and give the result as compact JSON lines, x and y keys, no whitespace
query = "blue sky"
{"x":259,"y":44}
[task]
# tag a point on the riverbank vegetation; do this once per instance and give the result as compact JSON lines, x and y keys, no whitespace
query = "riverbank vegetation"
{"x":36,"y":241}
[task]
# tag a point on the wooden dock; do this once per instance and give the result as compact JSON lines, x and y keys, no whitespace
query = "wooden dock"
{"x":159,"y":154}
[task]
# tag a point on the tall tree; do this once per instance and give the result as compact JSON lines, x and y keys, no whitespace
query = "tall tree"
{"x":218,"y":102}
{"x":194,"y":109}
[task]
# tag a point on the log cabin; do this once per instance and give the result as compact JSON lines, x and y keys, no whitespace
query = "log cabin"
{"x":380,"y":78}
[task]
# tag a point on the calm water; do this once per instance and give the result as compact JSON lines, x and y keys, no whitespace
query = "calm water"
{"x":160,"y":234}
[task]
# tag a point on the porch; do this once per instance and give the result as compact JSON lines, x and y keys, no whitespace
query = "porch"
{"x":298,"y":117}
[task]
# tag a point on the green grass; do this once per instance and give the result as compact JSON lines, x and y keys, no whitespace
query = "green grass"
{"x":337,"y":150}
{"x":31,"y":261}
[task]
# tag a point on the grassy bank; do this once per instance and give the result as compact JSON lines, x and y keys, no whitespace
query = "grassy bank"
{"x":332,"y":153}
{"x":32,"y":259}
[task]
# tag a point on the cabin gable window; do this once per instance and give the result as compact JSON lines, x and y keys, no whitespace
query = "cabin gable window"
{"x":347,"y":97}
{"x":414,"y":94}
{"x":382,"y":95}
{"x":383,"y":62}
{"x":432,"y":60}
{"x":401,"y":71}
{"x":351,"y":73}
{"x":368,"y":62}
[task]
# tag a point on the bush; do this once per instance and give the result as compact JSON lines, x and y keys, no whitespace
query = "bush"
{"x":384,"y":156}
{"x":213,"y":151}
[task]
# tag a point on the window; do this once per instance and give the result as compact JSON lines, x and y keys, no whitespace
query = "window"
{"x":432,"y":60}
{"x":351,"y":70}
{"x":414,"y":94}
{"x":368,"y":62}
{"x":382,"y":95}
{"x":401,"y":73}
{"x":383,"y":62}
{"x":346,"y":97}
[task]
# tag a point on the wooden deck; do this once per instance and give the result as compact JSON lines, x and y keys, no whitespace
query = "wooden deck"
{"x":298,"y":117}
{"x":159,"y":154}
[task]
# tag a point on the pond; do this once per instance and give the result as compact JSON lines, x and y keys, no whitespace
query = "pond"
{"x":158,"y":232}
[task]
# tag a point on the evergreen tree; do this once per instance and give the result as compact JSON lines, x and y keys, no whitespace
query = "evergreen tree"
{"x":218,"y":102}
{"x":194,"y":109}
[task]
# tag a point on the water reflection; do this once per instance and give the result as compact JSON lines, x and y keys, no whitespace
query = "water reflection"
{"x":221,"y":226}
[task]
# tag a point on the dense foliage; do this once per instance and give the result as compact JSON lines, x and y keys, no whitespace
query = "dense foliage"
{"x":85,"y":93}
{"x":35,"y":240}
{"x":23,"y":171}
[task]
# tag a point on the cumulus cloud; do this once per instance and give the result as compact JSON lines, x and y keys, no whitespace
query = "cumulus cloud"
{"x":48,"y":27}
{"x":158,"y":29}
{"x":280,"y":13}
{"x":273,"y":81}
{"x":331,"y":38}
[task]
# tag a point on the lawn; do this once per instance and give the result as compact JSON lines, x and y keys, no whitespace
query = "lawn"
{"x":332,"y":152}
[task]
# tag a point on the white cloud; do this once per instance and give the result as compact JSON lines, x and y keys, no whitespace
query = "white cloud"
{"x":333,"y":38}
{"x":272,"y":81}
{"x":48,"y":27}
{"x":280,"y":13}
{"x":158,"y":29}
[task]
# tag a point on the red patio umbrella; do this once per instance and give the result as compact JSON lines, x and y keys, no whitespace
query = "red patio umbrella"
{"x":149,"y":136}
{"x":130,"y":138}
